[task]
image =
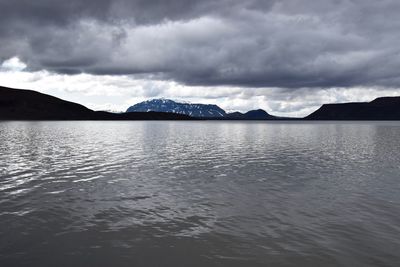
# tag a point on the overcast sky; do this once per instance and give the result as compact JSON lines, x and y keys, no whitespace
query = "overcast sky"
{"x":287,"y":57}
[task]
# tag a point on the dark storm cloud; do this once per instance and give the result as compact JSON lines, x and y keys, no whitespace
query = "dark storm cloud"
{"x":288,"y":44}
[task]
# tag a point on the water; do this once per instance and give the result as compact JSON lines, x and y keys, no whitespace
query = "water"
{"x":199,"y":194}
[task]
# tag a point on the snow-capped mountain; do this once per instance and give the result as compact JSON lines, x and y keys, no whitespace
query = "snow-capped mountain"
{"x":167,"y":105}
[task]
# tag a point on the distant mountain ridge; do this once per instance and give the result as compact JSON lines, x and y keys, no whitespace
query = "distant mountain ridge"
{"x":170,"y":106}
{"x":18,"y":104}
{"x":258,"y":114}
{"x":197,"y":110}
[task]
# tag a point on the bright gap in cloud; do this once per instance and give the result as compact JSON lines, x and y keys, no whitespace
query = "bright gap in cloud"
{"x":13,"y":64}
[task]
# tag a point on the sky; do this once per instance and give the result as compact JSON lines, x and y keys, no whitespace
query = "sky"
{"x":287,"y":57}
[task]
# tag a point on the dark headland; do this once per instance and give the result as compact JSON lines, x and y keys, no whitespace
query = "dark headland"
{"x":384,"y":108}
{"x":18,"y":104}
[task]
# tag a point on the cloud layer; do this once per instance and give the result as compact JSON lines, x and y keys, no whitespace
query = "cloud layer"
{"x":118,"y":92}
{"x":285,"y":56}
{"x":288,"y":44}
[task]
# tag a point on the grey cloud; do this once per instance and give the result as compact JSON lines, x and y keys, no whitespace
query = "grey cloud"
{"x":285,"y":44}
{"x":61,"y":12}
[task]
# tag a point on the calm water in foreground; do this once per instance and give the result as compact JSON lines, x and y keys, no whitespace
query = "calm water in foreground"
{"x":199,"y":194}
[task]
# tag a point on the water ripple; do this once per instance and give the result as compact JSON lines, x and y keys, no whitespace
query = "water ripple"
{"x":199,"y":194}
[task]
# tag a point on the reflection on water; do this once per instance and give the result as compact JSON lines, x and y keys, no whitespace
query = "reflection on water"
{"x":199,"y":194}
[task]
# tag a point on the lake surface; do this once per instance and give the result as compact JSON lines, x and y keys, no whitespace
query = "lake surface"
{"x":199,"y":194}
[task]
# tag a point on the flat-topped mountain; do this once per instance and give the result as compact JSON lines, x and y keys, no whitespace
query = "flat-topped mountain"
{"x":170,"y":106}
{"x":17,"y":104}
{"x":198,"y":110}
{"x":384,"y":108}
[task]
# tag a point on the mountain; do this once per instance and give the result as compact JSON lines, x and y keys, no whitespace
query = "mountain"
{"x":166,"y":105}
{"x":258,"y":114}
{"x":17,"y":104}
{"x":198,"y":110}
{"x":384,"y":108}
